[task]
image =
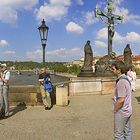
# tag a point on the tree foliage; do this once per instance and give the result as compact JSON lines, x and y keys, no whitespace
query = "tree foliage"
{"x":138,"y":71}
{"x":74,"y":69}
{"x":30,"y":65}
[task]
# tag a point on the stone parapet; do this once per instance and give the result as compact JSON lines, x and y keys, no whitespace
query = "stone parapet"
{"x":29,"y":95}
{"x":91,"y":85}
{"x":94,"y":85}
{"x":62,"y":95}
{"x":138,"y":83}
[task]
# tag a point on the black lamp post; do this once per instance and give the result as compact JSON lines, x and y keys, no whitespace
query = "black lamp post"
{"x":43,"y":30}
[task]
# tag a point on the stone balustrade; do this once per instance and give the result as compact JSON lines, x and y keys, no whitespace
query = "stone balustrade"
{"x":30,"y":94}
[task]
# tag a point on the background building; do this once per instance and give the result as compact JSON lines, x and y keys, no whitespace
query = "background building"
{"x":135,"y":60}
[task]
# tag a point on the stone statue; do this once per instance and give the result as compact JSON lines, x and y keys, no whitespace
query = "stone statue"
{"x":128,"y":56}
{"x":110,"y":22}
{"x":103,"y":66}
{"x":87,"y":70}
{"x":88,"y":57}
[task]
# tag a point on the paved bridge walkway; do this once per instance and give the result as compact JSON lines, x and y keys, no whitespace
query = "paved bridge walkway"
{"x":86,"y":118}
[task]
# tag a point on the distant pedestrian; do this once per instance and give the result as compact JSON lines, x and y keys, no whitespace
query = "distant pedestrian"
{"x":44,"y":92}
{"x":122,"y":104}
{"x":5,"y":77}
{"x":132,"y":77}
{"x":1,"y":97}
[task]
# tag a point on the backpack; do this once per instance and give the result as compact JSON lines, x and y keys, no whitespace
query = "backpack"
{"x":122,"y":77}
{"x":48,"y":85}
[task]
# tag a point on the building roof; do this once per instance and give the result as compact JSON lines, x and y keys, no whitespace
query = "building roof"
{"x":134,"y":58}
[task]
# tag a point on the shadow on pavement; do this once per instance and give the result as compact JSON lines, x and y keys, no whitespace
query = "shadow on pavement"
{"x":18,"y":108}
{"x":53,"y":98}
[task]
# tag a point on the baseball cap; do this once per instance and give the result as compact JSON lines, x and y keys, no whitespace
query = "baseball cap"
{"x":3,"y":65}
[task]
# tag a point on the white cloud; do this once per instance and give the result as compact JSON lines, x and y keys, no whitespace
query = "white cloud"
{"x":100,"y":44}
{"x":133,"y":37}
{"x":118,"y":37}
{"x":61,"y":54}
{"x":135,"y":19}
{"x":74,"y":28}
{"x":128,"y":17}
{"x":34,"y":54}
{"x":122,"y":11}
{"x":118,"y":2}
{"x":80,"y":2}
{"x":10,"y":8}
{"x":3,"y":43}
{"x":9,"y":52}
{"x":60,"y":2}
{"x":102,"y":34}
{"x":90,"y":18}
{"x":64,"y":54}
{"x":118,"y":40}
{"x":54,"y":10}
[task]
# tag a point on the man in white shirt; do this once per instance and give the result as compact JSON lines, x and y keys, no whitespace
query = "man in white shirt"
{"x":1,"y":97}
{"x":5,"y":76}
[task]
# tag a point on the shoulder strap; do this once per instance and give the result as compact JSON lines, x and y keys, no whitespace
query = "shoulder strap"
{"x":46,"y":78}
{"x":5,"y":73}
{"x":123,"y":78}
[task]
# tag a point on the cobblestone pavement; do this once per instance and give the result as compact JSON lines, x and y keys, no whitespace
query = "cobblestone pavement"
{"x":86,"y":118}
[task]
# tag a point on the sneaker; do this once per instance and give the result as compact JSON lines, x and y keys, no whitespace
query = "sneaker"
{"x":47,"y":108}
{"x":5,"y":117}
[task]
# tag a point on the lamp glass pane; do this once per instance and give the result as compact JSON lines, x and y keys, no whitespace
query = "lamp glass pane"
{"x":43,"y":41}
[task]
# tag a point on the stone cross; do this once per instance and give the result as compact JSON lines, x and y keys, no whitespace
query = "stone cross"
{"x":110,"y":22}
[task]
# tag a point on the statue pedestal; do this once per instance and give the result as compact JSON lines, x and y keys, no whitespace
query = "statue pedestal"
{"x":86,"y":73}
{"x":91,"y":85}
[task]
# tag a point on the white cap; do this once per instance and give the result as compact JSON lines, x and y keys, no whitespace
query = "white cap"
{"x":3,"y":65}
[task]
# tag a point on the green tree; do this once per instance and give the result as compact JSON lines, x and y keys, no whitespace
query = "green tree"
{"x":138,"y":71}
{"x":59,"y":67}
{"x":74,"y":69}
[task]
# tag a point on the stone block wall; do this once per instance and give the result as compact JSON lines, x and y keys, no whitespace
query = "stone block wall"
{"x":29,"y":95}
{"x":91,"y":85}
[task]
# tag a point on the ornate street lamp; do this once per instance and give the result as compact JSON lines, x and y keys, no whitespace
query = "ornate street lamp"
{"x":43,"y":30}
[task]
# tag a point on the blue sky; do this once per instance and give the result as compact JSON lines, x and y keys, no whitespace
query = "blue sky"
{"x":71,"y":23}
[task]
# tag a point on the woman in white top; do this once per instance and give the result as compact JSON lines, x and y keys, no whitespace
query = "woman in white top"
{"x":134,"y":77}
{"x":131,"y":74}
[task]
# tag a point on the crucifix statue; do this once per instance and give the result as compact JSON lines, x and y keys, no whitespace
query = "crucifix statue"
{"x":111,"y":21}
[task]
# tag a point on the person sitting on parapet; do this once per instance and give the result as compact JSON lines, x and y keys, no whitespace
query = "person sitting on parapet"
{"x":45,"y":93}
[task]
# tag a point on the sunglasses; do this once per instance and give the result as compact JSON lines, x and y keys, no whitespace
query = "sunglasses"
{"x":113,"y":68}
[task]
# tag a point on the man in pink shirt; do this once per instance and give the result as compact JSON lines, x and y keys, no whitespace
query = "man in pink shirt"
{"x":122,"y":104}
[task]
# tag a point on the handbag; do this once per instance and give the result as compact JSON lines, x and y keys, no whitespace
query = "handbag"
{"x":48,"y":85}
